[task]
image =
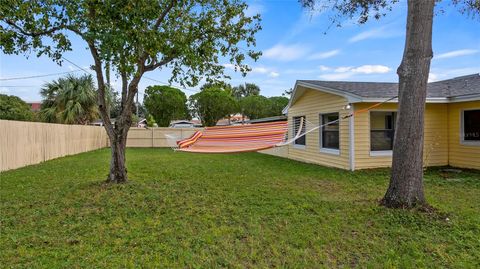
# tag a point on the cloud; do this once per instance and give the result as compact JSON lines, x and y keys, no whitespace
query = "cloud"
{"x":254,"y":9}
{"x":437,"y":74}
{"x":456,"y":53}
{"x":381,"y":32}
{"x":255,"y":70}
{"x":432,"y":77}
{"x":324,"y":55}
{"x":371,"y":69}
{"x":285,"y":52}
{"x":324,"y":68}
{"x":344,"y":72}
{"x":273,"y":74}
{"x":336,"y":76}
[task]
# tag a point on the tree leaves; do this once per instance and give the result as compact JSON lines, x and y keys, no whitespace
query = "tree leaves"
{"x":211,"y":105}
{"x":70,"y":100}
{"x":14,"y":108}
{"x":165,"y":104}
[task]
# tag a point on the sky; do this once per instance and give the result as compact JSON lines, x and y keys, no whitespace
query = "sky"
{"x":297,"y":44}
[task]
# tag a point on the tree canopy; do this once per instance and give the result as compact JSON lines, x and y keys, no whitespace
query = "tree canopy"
{"x":211,"y":105}
{"x":165,"y":104}
{"x":70,"y":100}
{"x":276,"y":105}
{"x":245,"y":90}
{"x":14,"y":108}
{"x":254,"y":106}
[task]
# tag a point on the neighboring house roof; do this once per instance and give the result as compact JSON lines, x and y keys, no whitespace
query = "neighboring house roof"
{"x":457,"y":89}
{"x":269,"y":119}
{"x":35,"y":106}
{"x":181,"y":122}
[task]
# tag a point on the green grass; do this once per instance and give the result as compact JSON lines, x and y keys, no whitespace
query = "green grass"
{"x":243,"y":210}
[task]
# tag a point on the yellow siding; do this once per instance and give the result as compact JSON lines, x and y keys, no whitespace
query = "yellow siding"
{"x":436,"y":136}
{"x":461,"y":155}
{"x":311,"y":104}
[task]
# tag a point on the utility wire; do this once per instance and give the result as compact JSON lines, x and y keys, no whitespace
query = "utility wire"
{"x":39,"y":76}
{"x":18,"y":86}
{"x":76,"y":65}
{"x":168,"y":84}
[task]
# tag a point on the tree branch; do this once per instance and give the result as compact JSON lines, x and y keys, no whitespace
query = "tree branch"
{"x":162,"y":16}
{"x":101,"y":89}
{"x":36,"y":34}
{"x":154,"y":66}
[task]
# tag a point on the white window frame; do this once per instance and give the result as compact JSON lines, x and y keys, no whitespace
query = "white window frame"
{"x":462,"y":129}
{"x":378,"y":153}
{"x":295,"y":145}
{"x":320,"y":141}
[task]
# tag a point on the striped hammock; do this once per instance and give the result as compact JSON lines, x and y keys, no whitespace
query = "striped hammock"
{"x":237,"y":138}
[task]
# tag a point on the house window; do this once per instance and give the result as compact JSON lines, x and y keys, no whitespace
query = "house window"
{"x":329,"y":134}
{"x":299,"y":122}
{"x":471,"y":125}
{"x":382,"y":130}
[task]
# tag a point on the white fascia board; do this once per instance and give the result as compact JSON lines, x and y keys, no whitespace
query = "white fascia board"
{"x":352,"y":98}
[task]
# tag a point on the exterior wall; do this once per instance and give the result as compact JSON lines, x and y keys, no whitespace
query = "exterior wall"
{"x":311,"y":104}
{"x":436,"y":136}
{"x":460,"y":154}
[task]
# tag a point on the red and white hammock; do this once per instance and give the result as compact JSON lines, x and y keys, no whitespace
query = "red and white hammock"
{"x":237,"y":138}
{"x":253,"y":137}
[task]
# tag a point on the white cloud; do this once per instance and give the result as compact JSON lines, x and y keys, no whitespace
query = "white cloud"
{"x":230,"y":66}
{"x":437,"y":74}
{"x":381,"y":32}
{"x":456,"y":53}
{"x":260,"y":70}
{"x":372,"y":69}
{"x":254,"y":9}
{"x":344,"y":72}
{"x":363,"y":69}
{"x":285,"y":52}
{"x":324,"y":68}
{"x":273,"y":74}
{"x":255,"y":70}
{"x":432,"y":77}
{"x":324,"y":55}
{"x":343,"y":69}
{"x":336,"y":76}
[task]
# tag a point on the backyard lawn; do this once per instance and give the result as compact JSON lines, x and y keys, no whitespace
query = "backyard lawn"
{"x":242,"y":210}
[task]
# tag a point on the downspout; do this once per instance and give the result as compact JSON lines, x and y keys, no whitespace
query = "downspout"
{"x":351,"y":143}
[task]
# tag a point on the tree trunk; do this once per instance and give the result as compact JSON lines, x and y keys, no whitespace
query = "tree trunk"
{"x":118,"y":171}
{"x":406,"y":182}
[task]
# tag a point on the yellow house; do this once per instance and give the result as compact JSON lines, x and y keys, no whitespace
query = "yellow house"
{"x":452,"y":123}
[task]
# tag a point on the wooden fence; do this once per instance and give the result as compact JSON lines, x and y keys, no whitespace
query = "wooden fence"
{"x":26,"y":143}
{"x":157,"y":137}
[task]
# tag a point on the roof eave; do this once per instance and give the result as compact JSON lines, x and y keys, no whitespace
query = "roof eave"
{"x":465,"y":98}
{"x":353,"y":98}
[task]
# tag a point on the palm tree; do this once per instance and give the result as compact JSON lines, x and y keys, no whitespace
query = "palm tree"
{"x":245,"y":90}
{"x":70,"y":100}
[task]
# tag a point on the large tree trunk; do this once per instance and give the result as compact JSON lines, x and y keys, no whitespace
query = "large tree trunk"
{"x":406,"y":182}
{"x":118,"y":171}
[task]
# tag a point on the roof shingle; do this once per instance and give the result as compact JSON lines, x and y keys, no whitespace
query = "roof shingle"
{"x":455,"y":87}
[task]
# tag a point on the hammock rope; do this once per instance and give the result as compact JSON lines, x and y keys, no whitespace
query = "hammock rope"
{"x":251,"y":137}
